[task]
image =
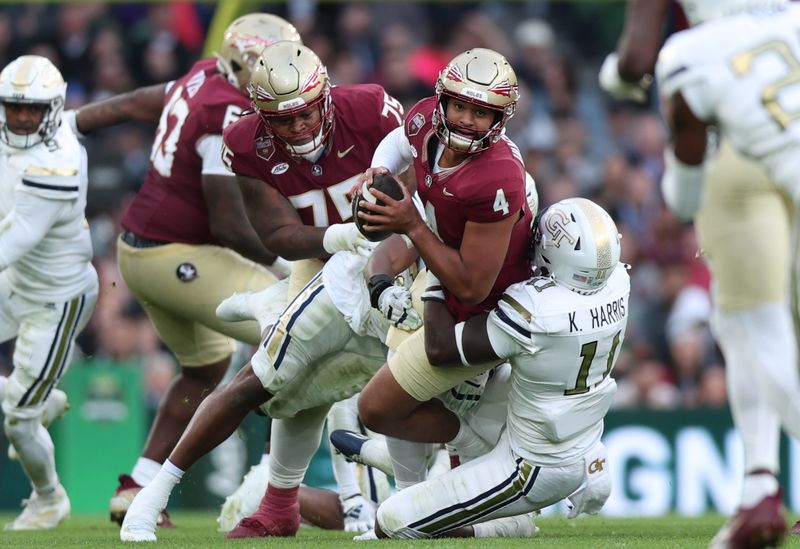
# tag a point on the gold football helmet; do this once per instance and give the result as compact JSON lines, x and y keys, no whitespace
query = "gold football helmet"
{"x":289,"y":78}
{"x":243,"y":41}
{"x":482,"y":77}
{"x":32,"y":80}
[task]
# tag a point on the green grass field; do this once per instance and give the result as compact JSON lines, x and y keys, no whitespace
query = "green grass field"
{"x":197,"y":531}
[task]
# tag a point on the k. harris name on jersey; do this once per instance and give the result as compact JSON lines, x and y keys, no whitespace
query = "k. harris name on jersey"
{"x":600,"y":316}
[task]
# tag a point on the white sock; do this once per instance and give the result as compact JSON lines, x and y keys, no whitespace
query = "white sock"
{"x":757,"y":487}
{"x":741,"y":335}
{"x":469,"y":444}
{"x":409,"y":461}
{"x":145,"y":471}
{"x":173,"y":470}
{"x":293,"y":443}
{"x":344,"y":415}
{"x":36,"y":452}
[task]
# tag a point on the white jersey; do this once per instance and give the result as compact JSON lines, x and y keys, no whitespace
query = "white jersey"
{"x":562,"y":346}
{"x":742,"y":73}
{"x":57,"y":266}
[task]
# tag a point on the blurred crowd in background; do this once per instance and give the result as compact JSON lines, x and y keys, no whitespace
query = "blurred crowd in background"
{"x":576,"y":142}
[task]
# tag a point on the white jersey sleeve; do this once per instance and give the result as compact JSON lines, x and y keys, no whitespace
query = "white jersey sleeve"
{"x":54,"y":175}
{"x":393,"y":152}
{"x":26,"y":224}
{"x":209,"y":149}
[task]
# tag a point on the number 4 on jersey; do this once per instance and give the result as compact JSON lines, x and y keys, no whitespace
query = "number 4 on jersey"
{"x":500,"y":202}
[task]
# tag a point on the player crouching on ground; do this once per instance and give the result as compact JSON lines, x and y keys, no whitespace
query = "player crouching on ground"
{"x":561,"y":331}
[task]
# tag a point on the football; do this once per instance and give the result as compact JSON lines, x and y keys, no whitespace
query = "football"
{"x":386,"y":184}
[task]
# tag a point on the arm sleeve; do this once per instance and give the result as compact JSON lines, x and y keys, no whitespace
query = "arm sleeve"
{"x":394,"y":152}
{"x":26,"y":224}
{"x":209,"y":149}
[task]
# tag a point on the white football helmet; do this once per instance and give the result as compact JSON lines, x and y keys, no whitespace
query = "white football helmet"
{"x":577,"y":244}
{"x":243,"y":41}
{"x":482,"y":77}
{"x":32,"y":80}
{"x":288,"y":79}
{"x":700,"y":11}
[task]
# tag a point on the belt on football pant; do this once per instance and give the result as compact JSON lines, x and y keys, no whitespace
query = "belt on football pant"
{"x":136,"y":241}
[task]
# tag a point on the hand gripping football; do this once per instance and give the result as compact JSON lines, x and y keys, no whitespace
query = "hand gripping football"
{"x":386,"y":184}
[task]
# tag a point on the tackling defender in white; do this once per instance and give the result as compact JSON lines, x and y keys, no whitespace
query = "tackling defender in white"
{"x":561,"y":333}
{"x":48,"y":286}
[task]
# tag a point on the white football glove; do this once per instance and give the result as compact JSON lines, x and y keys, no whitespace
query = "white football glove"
{"x":395,"y":304}
{"x":358,"y":514}
{"x":616,"y":87}
{"x":68,"y":118}
{"x":595,"y":489}
{"x":346,"y":237}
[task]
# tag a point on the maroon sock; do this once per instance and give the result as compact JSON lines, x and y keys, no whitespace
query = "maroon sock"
{"x":280,"y":501}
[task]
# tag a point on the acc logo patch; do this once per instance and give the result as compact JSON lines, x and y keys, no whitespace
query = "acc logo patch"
{"x":186,"y":272}
{"x":265,"y":148}
{"x":415,"y":124}
{"x":278,"y":169}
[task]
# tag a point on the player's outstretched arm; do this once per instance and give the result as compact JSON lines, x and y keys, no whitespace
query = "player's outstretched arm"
{"x":641,"y":38}
{"x":140,"y":105}
{"x":277,"y":223}
{"x":448,"y":344}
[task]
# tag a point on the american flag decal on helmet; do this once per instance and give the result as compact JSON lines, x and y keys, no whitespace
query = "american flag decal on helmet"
{"x":504,"y":88}
{"x":261,"y":93}
{"x":454,"y":74}
{"x":312,"y":81}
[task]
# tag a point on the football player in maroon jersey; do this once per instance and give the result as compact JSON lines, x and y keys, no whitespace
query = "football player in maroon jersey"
{"x":476,"y":239}
{"x":296,"y":156}
{"x":186,"y":243}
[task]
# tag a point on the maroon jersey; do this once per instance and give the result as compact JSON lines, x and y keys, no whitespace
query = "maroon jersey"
{"x":170,"y":206}
{"x":488,"y":186}
{"x":363,"y":115}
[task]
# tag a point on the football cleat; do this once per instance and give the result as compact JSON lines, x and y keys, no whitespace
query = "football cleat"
{"x":122,"y":499}
{"x":263,"y":524}
{"x":358,"y":514}
{"x":369,"y":535}
{"x":244,"y":501}
{"x":519,"y":526}
{"x":42,"y":512}
{"x":56,"y":406}
{"x":762,"y":525}
{"x":795,"y":531}
{"x":349,"y":444}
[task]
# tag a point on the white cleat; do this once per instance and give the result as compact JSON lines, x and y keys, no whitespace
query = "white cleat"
{"x":56,"y":406}
{"x":520,"y":526}
{"x":358,"y":514}
{"x":264,"y":306}
{"x":245,"y":500}
{"x":42,"y":512}
{"x":142,"y":516}
{"x":236,"y":307}
{"x":369,"y":535}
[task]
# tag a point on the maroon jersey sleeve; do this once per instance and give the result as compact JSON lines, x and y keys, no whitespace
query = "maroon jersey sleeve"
{"x":240,"y":140}
{"x":170,"y":206}
{"x":495,"y":186}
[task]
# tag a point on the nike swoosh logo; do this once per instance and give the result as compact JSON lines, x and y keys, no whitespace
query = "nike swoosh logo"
{"x":444,"y":192}
{"x":342,"y":154}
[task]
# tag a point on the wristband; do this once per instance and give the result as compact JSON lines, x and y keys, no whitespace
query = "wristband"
{"x":376,"y":285}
